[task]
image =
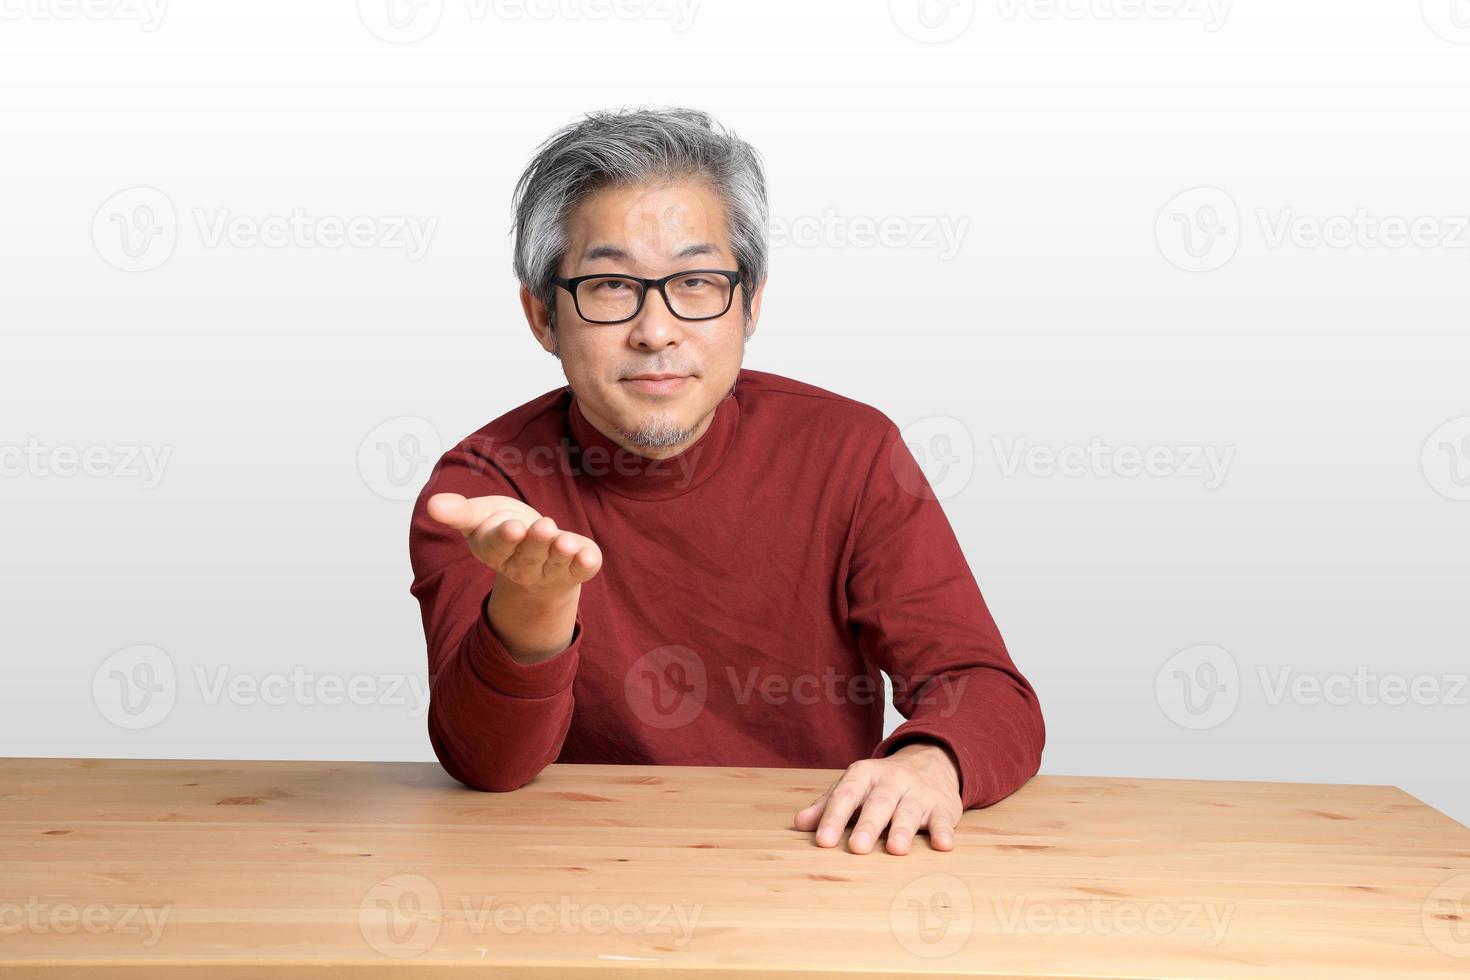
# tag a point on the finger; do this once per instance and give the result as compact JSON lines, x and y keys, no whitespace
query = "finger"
{"x":562,"y":550}
{"x":807,"y":817}
{"x":850,"y":790}
{"x":451,"y":509}
{"x":460,"y":513}
{"x":530,"y":555}
{"x":907,"y":819}
{"x":941,"y":831}
{"x":587,"y":563}
{"x":465,"y":514}
{"x":877,"y":811}
{"x":496,"y":538}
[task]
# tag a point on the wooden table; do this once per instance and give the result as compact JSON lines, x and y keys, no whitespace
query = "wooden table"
{"x":145,"y":869}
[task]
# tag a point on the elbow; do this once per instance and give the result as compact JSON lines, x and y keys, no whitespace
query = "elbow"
{"x":492,"y":783}
{"x":485,"y":778}
{"x":485,"y":775}
{"x":1034,"y":742}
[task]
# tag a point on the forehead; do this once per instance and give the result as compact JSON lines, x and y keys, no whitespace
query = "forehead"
{"x":648,"y":224}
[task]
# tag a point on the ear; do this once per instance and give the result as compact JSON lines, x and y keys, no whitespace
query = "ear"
{"x":539,"y":318}
{"x":755,"y":308}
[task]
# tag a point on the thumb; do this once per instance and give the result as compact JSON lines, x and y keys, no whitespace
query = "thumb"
{"x":452,"y":509}
{"x":466,"y":514}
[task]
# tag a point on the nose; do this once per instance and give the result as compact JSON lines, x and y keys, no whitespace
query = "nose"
{"x":655,"y":327}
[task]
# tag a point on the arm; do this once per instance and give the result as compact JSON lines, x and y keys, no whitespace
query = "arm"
{"x":502,"y":651}
{"x":922,"y":620}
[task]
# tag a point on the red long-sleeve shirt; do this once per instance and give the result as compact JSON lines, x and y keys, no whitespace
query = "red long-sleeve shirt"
{"x":752,"y":587}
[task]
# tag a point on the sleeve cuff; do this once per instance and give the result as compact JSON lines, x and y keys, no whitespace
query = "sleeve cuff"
{"x":972,"y":783}
{"x":495,"y":667}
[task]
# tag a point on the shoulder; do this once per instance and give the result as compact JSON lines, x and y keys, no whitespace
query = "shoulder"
{"x":799,"y":405}
{"x":489,"y":460}
{"x":530,"y":422}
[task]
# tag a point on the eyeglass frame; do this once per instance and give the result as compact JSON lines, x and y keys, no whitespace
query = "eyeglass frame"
{"x":570,"y":285}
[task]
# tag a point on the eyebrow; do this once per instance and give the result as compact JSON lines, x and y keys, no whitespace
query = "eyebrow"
{"x":613,"y":252}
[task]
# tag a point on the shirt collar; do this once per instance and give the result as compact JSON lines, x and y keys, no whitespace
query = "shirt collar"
{"x":598,"y":458}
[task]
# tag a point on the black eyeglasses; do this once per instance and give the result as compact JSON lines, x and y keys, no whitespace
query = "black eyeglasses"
{"x":694,"y":294}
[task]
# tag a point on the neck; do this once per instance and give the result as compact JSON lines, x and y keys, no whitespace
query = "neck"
{"x":609,"y":457}
{"x":616,"y":435}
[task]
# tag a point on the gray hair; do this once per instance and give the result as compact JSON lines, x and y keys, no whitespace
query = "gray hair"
{"x":630,"y":146}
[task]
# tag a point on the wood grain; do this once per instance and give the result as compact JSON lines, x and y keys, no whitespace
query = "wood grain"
{"x":144,"y":869}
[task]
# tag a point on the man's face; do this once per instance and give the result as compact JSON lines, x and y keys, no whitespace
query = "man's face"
{"x":651,"y":231}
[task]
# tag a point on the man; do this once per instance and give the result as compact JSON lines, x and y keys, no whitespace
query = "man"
{"x":674,"y":560}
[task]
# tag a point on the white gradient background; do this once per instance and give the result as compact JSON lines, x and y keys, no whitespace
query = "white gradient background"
{"x":1336,"y":541}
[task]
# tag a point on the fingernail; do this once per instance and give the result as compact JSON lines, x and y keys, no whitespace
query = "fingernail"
{"x":898,"y":840}
{"x":860,"y":839}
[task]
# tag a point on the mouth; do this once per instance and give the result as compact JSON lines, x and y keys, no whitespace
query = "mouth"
{"x":657,"y":384}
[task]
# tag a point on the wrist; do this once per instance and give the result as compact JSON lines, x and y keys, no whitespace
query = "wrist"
{"x":930,"y":750}
{"x":533,"y":625}
{"x":529,"y":599}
